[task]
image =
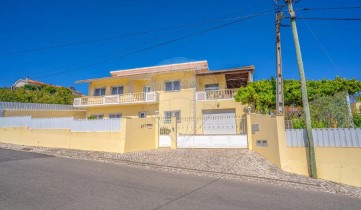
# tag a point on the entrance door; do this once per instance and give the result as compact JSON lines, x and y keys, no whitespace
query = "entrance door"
{"x":219,"y":121}
{"x":146,"y":90}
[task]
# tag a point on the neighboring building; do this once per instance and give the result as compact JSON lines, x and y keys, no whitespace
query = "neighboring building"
{"x":35,"y":110}
{"x":28,"y":81}
{"x":186,"y":90}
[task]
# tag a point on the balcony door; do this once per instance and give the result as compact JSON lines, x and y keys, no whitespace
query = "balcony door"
{"x":146,"y":90}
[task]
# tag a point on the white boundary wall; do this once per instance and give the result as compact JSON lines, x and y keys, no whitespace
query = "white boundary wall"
{"x":325,"y":137}
{"x":101,"y":125}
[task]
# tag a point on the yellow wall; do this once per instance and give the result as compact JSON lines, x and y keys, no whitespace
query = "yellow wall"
{"x":337,"y":164}
{"x":45,"y":113}
{"x":142,"y":134}
{"x":267,"y":131}
{"x":126,"y":110}
{"x":211,"y":79}
{"x":95,"y":141}
{"x":135,"y":135}
{"x":182,"y":100}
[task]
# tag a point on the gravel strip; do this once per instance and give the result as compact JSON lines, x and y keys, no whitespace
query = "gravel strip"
{"x":236,"y":164}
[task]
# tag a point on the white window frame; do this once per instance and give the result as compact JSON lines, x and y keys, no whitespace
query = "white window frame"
{"x":172,"y":82}
{"x":117,"y":87}
{"x":142,"y":114}
{"x":100,"y":92}
{"x":115,"y":115}
{"x":168,"y":116}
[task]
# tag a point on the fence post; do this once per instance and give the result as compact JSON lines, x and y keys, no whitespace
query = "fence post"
{"x":174,"y":132}
{"x":249,"y":131}
{"x":157,"y":132}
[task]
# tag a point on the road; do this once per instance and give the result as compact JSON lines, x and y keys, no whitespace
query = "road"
{"x":36,"y":181}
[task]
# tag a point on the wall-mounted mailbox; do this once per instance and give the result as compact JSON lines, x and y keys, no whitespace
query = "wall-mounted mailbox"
{"x":255,"y":128}
{"x":261,"y":143}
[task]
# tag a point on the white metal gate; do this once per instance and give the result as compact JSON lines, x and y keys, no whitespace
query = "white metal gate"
{"x":164,"y":141}
{"x":212,"y":141}
{"x":164,"y":133}
{"x":219,"y":121}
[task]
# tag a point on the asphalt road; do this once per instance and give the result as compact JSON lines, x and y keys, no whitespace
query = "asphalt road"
{"x":36,"y":181}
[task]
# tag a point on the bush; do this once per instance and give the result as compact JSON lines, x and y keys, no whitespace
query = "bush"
{"x":357,"y":120}
{"x":45,"y":94}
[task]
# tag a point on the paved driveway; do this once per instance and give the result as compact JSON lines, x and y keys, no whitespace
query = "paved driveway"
{"x":37,"y":181}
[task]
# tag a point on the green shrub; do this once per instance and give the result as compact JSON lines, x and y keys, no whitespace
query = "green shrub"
{"x":357,"y":120}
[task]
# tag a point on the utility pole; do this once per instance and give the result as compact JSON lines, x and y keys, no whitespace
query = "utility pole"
{"x":279,"y":86}
{"x":306,"y":107}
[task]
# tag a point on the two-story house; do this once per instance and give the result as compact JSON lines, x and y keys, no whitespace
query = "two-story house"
{"x":185,"y":90}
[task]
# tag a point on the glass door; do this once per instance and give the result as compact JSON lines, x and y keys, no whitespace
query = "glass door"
{"x":146,"y":90}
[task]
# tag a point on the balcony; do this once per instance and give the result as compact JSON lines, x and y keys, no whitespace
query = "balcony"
{"x":124,"y":99}
{"x":225,"y":94}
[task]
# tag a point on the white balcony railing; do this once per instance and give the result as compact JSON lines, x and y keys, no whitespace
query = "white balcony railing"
{"x":215,"y":94}
{"x":127,"y":98}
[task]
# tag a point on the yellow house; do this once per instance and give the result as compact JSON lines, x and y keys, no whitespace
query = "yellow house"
{"x":185,"y":90}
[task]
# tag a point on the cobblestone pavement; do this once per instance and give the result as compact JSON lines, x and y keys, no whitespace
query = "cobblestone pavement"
{"x":236,"y":164}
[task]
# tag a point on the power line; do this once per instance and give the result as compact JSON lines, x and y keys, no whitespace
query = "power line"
{"x":224,"y":18}
{"x":330,"y":8}
{"x":320,"y":43}
{"x":238,"y":19}
{"x":100,"y":39}
{"x":339,"y":19}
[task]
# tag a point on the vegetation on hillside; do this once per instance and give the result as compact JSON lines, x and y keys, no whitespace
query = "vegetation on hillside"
{"x":358,"y":98}
{"x":37,"y":94}
{"x":326,"y":112}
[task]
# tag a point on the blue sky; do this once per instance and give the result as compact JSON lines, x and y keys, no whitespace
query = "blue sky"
{"x":329,"y":48}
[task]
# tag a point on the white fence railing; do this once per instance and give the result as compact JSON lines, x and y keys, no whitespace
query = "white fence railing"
{"x":215,"y":94}
{"x":35,"y":106}
{"x":6,"y":122}
{"x":50,"y":123}
{"x":116,"y":99}
{"x":325,"y":137}
{"x":96,"y":125}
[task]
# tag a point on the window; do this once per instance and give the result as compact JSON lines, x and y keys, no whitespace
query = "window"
{"x":142,"y":114}
{"x":115,"y":115}
{"x":209,"y":87}
{"x":172,"y":85}
{"x":117,"y":90}
{"x":168,"y":116}
{"x":99,"y":91}
{"x":98,"y":116}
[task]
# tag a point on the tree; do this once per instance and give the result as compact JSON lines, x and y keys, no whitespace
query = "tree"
{"x":37,"y":94}
{"x":261,"y":94}
{"x":327,"y":112}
